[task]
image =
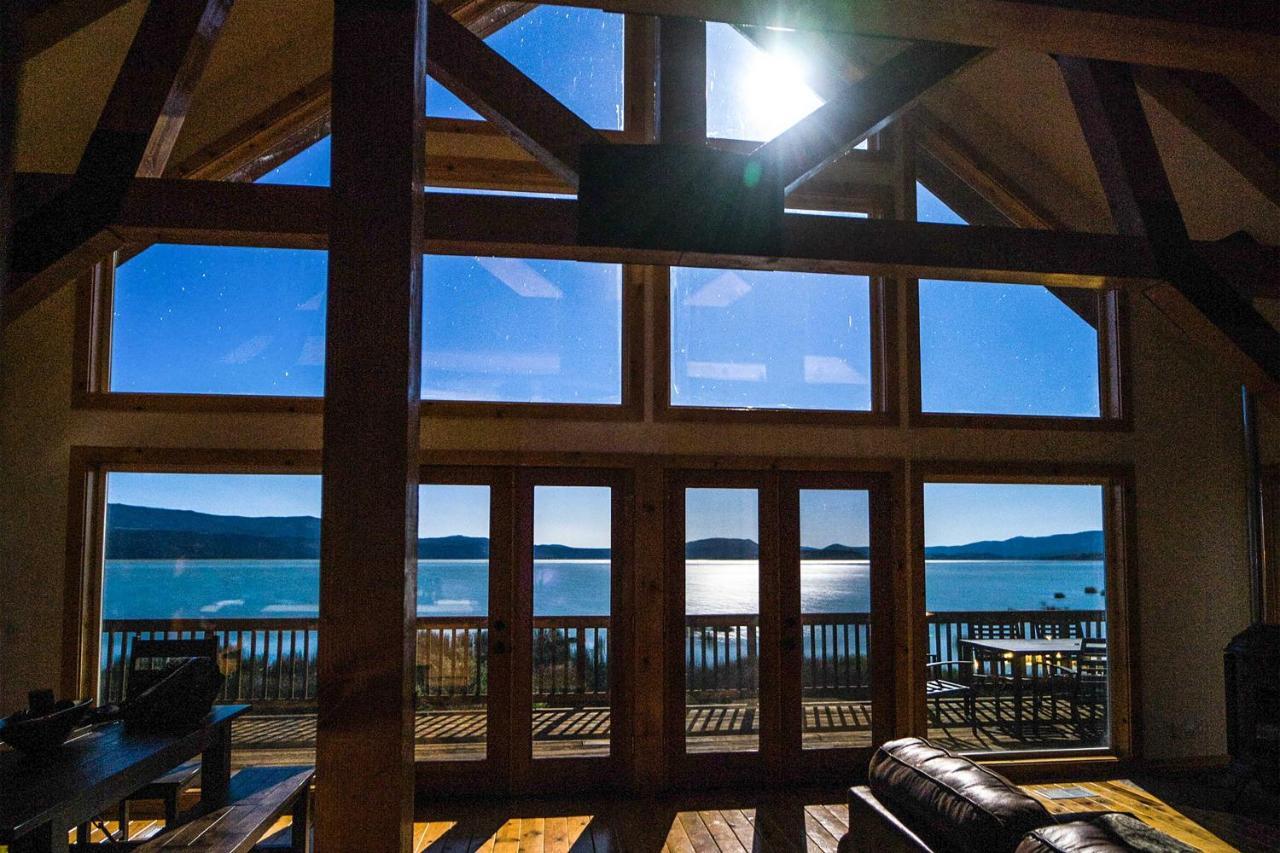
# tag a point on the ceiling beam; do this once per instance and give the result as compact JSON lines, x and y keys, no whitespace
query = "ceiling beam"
{"x":861,"y":110}
{"x":1225,"y":118}
{"x":1188,"y":35}
{"x":224,"y":213}
{"x":504,"y":95}
{"x":1143,"y":205}
{"x":134,"y":136}
{"x":682,"y":81}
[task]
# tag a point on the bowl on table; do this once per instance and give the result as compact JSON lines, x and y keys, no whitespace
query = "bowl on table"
{"x":43,"y":733}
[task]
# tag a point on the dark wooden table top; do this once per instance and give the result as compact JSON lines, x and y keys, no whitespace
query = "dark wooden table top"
{"x":1015,"y":646}
{"x":93,"y":771}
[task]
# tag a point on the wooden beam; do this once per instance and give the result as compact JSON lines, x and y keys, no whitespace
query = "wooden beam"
{"x":500,"y":92}
{"x":135,"y":132}
{"x":369,"y":498}
{"x":1187,"y":35}
{"x":1214,"y":108}
{"x":682,"y":81}
{"x":1143,"y":205}
{"x":862,"y":109}
{"x":224,"y":213}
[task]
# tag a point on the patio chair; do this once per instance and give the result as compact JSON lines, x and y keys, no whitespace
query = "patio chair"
{"x":146,"y":658}
{"x":937,"y":688}
{"x":1086,"y":682}
{"x":990,"y":672}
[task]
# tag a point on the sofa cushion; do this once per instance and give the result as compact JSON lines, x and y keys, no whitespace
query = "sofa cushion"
{"x":1101,"y":834}
{"x":951,"y":797}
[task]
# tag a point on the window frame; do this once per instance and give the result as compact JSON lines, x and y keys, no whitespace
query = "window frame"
{"x":1114,"y":404}
{"x":91,"y":368}
{"x":1120,"y":562}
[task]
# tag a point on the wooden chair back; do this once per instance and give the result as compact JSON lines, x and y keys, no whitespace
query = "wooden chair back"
{"x":149,"y":656}
{"x":995,"y":630}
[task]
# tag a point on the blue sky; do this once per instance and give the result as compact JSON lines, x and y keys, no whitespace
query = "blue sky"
{"x":223,"y":320}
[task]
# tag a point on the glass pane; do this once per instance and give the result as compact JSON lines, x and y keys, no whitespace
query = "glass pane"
{"x":521,"y":331}
{"x":753,"y":93}
{"x":722,"y":620}
{"x":575,"y":54}
{"x":835,"y":614}
{"x":1002,"y":348}
{"x":232,"y":558}
{"x":770,"y":340}
{"x":572,"y":574}
{"x":1015,"y":588}
{"x":220,"y":320}
{"x":452,"y":667}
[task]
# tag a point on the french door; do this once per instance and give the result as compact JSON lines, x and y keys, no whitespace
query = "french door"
{"x":778,"y":647}
{"x":521,"y":629}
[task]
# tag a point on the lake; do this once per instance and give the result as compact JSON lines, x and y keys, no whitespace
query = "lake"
{"x":193,"y":589}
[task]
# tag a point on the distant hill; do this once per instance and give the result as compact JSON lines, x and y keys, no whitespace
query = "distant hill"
{"x":1086,"y":545}
{"x":147,"y":533}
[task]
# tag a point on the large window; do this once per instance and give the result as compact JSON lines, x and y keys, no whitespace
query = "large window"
{"x":770,"y":340}
{"x":522,"y":331}
{"x":1016,"y":592}
{"x":229,"y":557}
{"x":1002,"y":349}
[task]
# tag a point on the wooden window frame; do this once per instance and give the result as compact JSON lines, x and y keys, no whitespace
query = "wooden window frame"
{"x":1120,"y":543}
{"x":1115,"y":402}
{"x":1271,"y":544}
{"x":91,"y":369}
{"x":884,"y":345}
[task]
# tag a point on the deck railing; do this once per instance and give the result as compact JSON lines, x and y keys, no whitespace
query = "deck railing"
{"x":272,"y":662}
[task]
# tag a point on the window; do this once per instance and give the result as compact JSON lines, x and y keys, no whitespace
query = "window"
{"x":522,"y":331}
{"x":1002,"y":349}
{"x":572,"y":580}
{"x":219,"y":320}
{"x":234,"y":557}
{"x":753,"y":93}
{"x":575,"y":54}
{"x":835,"y":617}
{"x":722,"y":620}
{"x":1016,"y":592}
{"x":770,"y":340}
{"x":452,"y":663}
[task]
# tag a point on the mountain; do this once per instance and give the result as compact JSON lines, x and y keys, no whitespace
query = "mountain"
{"x":1086,"y":545}
{"x":147,"y":533}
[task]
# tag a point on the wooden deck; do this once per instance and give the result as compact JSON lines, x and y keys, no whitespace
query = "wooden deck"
{"x":460,"y":734}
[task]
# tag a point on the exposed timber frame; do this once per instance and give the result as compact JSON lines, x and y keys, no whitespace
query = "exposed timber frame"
{"x":369,"y":517}
{"x":1143,"y":204}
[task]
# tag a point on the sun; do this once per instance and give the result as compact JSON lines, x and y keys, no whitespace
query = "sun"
{"x":775,"y":91}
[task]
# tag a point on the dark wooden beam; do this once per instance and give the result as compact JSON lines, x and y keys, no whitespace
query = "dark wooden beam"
{"x":1183,"y":35}
{"x":224,"y":213}
{"x":369,"y":502}
{"x":862,"y":109}
{"x":135,"y":132}
{"x":500,"y":92}
{"x":1143,"y":205}
{"x":682,"y":81}
{"x":1214,"y":108}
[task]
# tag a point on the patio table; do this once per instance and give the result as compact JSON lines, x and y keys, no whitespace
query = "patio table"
{"x":1017,"y":651}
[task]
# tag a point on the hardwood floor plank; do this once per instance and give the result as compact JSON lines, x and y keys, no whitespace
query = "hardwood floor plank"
{"x":678,"y":840}
{"x":533,"y":835}
{"x":834,"y":825}
{"x":724,"y":836}
{"x":742,"y":825}
{"x":697,"y":831}
{"x":579,"y":836}
{"x":819,"y":838}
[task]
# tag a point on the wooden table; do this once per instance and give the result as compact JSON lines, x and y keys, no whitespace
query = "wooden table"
{"x":1018,"y":651}
{"x":42,"y":800}
{"x":1122,"y":795}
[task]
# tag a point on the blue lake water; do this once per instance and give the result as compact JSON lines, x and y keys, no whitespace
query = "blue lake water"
{"x":193,"y":589}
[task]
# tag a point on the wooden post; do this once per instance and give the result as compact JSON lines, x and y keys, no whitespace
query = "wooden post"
{"x":682,"y":81}
{"x":368,"y":548}
{"x":10,"y":73}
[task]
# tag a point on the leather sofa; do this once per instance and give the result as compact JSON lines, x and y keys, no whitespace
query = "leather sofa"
{"x":921,"y":797}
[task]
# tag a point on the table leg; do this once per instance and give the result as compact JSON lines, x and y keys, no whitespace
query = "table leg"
{"x":215,"y":769}
{"x":1019,"y":664}
{"x":300,"y":831}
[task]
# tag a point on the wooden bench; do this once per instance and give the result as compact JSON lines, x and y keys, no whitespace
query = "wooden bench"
{"x":259,"y":797}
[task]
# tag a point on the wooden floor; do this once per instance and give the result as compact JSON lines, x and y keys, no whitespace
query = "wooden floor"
{"x":761,"y":823}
